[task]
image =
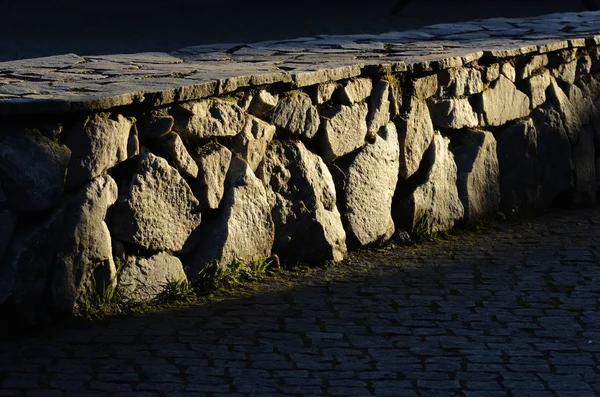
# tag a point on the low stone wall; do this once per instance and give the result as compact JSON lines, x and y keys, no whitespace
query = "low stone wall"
{"x":305,"y":164}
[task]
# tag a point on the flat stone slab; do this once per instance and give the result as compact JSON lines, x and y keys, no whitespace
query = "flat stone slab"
{"x":67,"y":83}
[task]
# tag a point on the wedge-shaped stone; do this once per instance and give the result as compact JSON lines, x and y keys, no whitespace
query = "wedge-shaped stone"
{"x":295,"y":114}
{"x":263,"y":103}
{"x":528,"y":67}
{"x":355,"y":90}
{"x":209,"y":118}
{"x":415,"y":131}
{"x":508,"y":70}
{"x":321,"y":93}
{"x":565,"y":72}
{"x":174,"y":149}
{"x":535,"y":88}
{"x":97,"y":144}
{"x":344,"y":130}
{"x":244,"y":229}
{"x":379,"y":107}
{"x":502,"y":102}
{"x":370,"y":182}
{"x":455,"y":113}
{"x":145,"y":278}
{"x":32,"y":171}
{"x":308,"y":227}
{"x":478,"y":179}
{"x":84,"y":260}
{"x":425,"y":87}
{"x":251,"y":144}
{"x":158,"y":211}
{"x":213,"y":163}
{"x":459,"y":82}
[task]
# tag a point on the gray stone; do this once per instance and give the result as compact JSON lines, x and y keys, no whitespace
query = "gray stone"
{"x":502,"y":102}
{"x":435,"y":204}
{"x":491,"y":72}
{"x":246,"y":100}
{"x":355,"y":90}
{"x":528,"y":67}
{"x":7,"y":225}
{"x":308,"y":227}
{"x":425,"y":87}
{"x":213,"y":163}
{"x":535,"y":87}
{"x":156,"y":125}
{"x":144,"y":279}
{"x":209,"y":118}
{"x":508,"y":70}
{"x":97,"y":144}
{"x":379,"y":108}
{"x":158,"y":211}
{"x":32,"y":171}
{"x":251,"y":144}
{"x":84,"y":260}
{"x":415,"y":131}
{"x":459,"y":82}
{"x":175,"y":150}
{"x":565,"y":72}
{"x":584,"y":66}
{"x":262,"y":103}
{"x":370,"y":182}
{"x":344,"y":130}
{"x":322,"y":93}
{"x":295,"y":114}
{"x":478,"y":173}
{"x":395,"y":99}
{"x":244,"y":228}
{"x":455,"y":113}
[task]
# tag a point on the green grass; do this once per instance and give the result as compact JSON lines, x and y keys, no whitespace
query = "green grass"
{"x":423,"y":231}
{"x":216,"y":278}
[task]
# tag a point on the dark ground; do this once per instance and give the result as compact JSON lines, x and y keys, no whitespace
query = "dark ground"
{"x":39,"y":28}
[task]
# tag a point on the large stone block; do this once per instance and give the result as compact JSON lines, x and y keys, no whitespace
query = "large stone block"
{"x":502,"y":102}
{"x":459,"y":82}
{"x":379,"y":108}
{"x":415,"y":131}
{"x":295,"y":114}
{"x":535,"y":87}
{"x":209,"y":118}
{"x":263,"y":103}
{"x":173,"y":148}
{"x":355,"y":90}
{"x":308,"y":227}
{"x":425,"y":87}
{"x":455,"y":113}
{"x":213,"y":162}
{"x":251,"y":144}
{"x":344,"y":130}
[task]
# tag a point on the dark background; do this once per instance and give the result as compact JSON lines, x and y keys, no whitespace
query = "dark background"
{"x":39,"y":28}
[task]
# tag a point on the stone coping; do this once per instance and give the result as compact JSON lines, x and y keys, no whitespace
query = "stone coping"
{"x":72,"y":83}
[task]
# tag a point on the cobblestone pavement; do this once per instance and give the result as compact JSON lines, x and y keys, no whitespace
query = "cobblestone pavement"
{"x":510,"y":311}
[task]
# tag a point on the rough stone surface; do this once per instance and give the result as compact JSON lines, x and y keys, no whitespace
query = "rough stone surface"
{"x":97,"y":144}
{"x":379,"y":108}
{"x":304,"y":209}
{"x":262,"y":103}
{"x":435,"y":204}
{"x":156,"y":125}
{"x":355,"y":90}
{"x":502,"y":102}
{"x":296,"y":115}
{"x":32,"y":171}
{"x":565,"y":72}
{"x":209,"y":118}
{"x":175,"y":150}
{"x":370,"y":182}
{"x":146,"y":278}
{"x":158,"y":211}
{"x":508,"y":70}
{"x":344,"y":130}
{"x":459,"y":82}
{"x":528,"y":67}
{"x":7,"y":225}
{"x":244,"y":228}
{"x":251,"y":144}
{"x":425,"y":87}
{"x":322,"y":93}
{"x":478,"y":179}
{"x":491,"y":72}
{"x":415,"y":131}
{"x":536,"y":86}
{"x":452,"y":113}
{"x":213,"y":163}
{"x":84,"y":259}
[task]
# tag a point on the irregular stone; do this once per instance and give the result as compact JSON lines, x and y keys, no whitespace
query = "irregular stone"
{"x":535,"y":87}
{"x":156,"y":126}
{"x":502,"y":102}
{"x":355,"y":90}
{"x":455,"y":113}
{"x":370,"y":182}
{"x":379,"y":108}
{"x":478,"y":173}
{"x":308,"y":227}
{"x":158,"y":211}
{"x":213,"y":162}
{"x":459,"y":82}
{"x":528,"y":67}
{"x":491,"y":72}
{"x":425,"y":87}
{"x":584,"y":66}
{"x":246,"y":100}
{"x":251,"y":144}
{"x":84,"y":260}
{"x":209,"y":118}
{"x":434,"y":204}
{"x":7,"y":225}
{"x":244,"y":228}
{"x":395,"y":99}
{"x":175,"y":150}
{"x":262,"y":103}
{"x":295,"y":114}
{"x":571,"y":118}
{"x":508,"y":70}
{"x":143,"y":279}
{"x":344,"y":129}
{"x":97,"y":144}
{"x":321,"y":93}
{"x":415,"y":132}
{"x":565,"y":72}
{"x":32,"y":171}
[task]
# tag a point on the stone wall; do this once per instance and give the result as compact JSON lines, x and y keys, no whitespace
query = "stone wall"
{"x":306,"y":169}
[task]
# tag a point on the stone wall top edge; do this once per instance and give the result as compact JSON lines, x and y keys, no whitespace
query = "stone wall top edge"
{"x":72,"y":83}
